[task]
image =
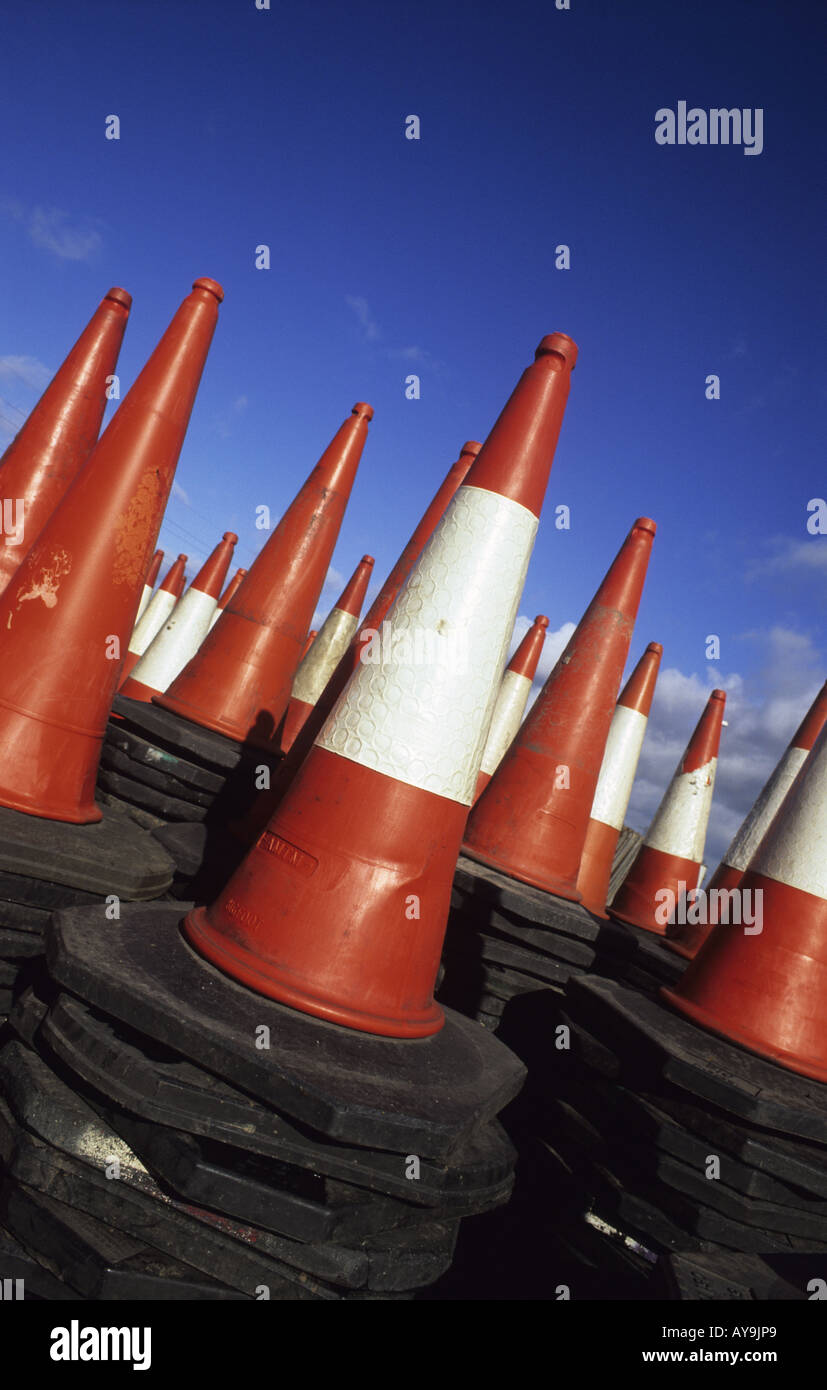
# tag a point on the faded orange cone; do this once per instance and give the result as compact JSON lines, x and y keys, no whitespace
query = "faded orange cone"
{"x":149,"y":583}
{"x":340,"y":908}
{"x":617,"y":775}
{"x":687,"y":939}
{"x":511,"y":702}
{"x":185,"y":628}
{"x":531,"y":820}
{"x":226,"y":596}
{"x":238,"y":683}
{"x":764,"y":985}
{"x":323,"y":655}
{"x":669,"y":860}
{"x":154,"y":616}
{"x":53,"y":444}
{"x":76,"y":594}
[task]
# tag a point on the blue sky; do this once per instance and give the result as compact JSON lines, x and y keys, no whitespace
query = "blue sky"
{"x":388,"y":256}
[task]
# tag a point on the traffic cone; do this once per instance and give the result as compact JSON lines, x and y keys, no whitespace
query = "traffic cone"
{"x":49,"y":450}
{"x":184,"y":630}
{"x":614,"y":785}
{"x":155,"y":615}
{"x":149,"y":583}
{"x":309,"y":640}
{"x":340,"y":908}
{"x":672,"y":852}
{"x":238,"y":683}
{"x":315,"y":669}
{"x":687,"y":938}
{"x":75,"y":596}
{"x":766,"y":989}
{"x":530,"y":822}
{"x":226,"y":596}
{"x":511,"y":702}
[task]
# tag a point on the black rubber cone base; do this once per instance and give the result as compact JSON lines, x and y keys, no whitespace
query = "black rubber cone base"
{"x":113,"y":760}
{"x":23,"y":919}
{"x":158,"y":1085}
{"x":137,"y":793}
{"x":40,"y":893}
{"x":35,"y":1282}
{"x":479,"y":890}
{"x":422,"y":1097}
{"x":170,"y":731}
{"x":651,"y":1043}
{"x":726,"y":1276}
{"x":112,"y":856}
{"x":20,"y":945}
{"x":143,"y":752}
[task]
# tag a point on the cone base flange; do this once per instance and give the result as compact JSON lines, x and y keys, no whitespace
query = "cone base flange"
{"x":483,"y":887}
{"x":113,"y":856}
{"x":150,"y":799}
{"x":784,"y":1057}
{"x":121,"y":738}
{"x":170,"y":730}
{"x":725,"y":1275}
{"x":114,"y":760}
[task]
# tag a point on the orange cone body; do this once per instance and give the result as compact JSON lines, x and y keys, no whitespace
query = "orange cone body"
{"x":340,"y":908}
{"x":323,"y":655}
{"x":48,"y":451}
{"x":531,"y":820}
{"x":511,"y":702}
{"x":767,"y":989}
{"x":309,"y":640}
{"x":687,"y":939}
{"x":670,"y":858}
{"x":149,"y":583}
{"x":154,"y":616}
{"x":238,"y":683}
{"x":184,"y":630}
{"x":614,"y":785}
{"x":77,"y":591}
{"x":226,"y":596}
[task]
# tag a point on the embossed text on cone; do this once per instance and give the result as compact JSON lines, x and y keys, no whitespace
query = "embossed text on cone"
{"x":76,"y":594}
{"x":53,"y":444}
{"x":617,"y":775}
{"x":238,"y":683}
{"x":687,"y":938}
{"x":531,"y":820}
{"x":764,"y":985}
{"x":673,"y":848}
{"x":340,"y":908}
{"x":511,"y":701}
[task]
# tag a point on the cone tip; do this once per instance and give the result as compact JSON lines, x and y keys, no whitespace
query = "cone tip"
{"x":363,"y":411}
{"x":541,"y":620}
{"x":718,"y":695}
{"x":562,"y":345}
{"x":368,"y":560}
{"x":119,"y":296}
{"x":645,"y":523}
{"x":205,"y":283}
{"x":655,"y":647}
{"x":183,"y":557}
{"x":230,"y":536}
{"x":471,"y":446}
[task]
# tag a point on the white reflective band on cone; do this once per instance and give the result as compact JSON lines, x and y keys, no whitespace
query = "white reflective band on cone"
{"x":505,"y":721}
{"x":617,"y":771}
{"x":145,"y":597}
{"x":178,"y":640}
{"x":323,"y":657}
{"x":760,"y":817}
{"x":794,"y":850}
{"x":680,"y":822}
{"x":158,"y":610}
{"x":458,"y":606}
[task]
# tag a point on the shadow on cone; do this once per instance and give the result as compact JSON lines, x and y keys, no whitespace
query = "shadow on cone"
{"x":73,"y":601}
{"x":53,"y":444}
{"x":531,"y":820}
{"x":340,"y":908}
{"x":511,"y":702}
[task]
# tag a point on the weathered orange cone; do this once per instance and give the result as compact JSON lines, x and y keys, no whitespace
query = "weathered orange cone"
{"x":531,"y":820}
{"x":764,"y":986}
{"x":511,"y":702}
{"x":48,"y":451}
{"x":317,"y":666}
{"x":668,"y":862}
{"x":238,"y":683}
{"x":155,"y":615}
{"x":185,"y":628}
{"x":226,"y":596}
{"x":149,"y":583}
{"x":614,"y":785}
{"x":76,"y":593}
{"x":340,"y":908}
{"x":687,"y":938}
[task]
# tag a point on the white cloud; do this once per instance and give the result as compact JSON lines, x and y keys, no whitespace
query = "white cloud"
{"x":180,"y":494}
{"x":367,"y":322}
{"x":783,"y":555}
{"x":55,"y":230}
{"x":32,"y":372}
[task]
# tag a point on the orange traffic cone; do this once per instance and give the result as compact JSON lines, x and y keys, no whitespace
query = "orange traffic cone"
{"x":309,"y":640}
{"x":687,"y":938}
{"x":76,"y":593}
{"x":765,"y":985}
{"x":340,"y":908}
{"x":530,"y":822}
{"x":46,"y":454}
{"x":226,"y":596}
{"x":315,"y":670}
{"x":149,"y":583}
{"x":668,"y":862}
{"x":511,"y":702}
{"x":185,"y":628}
{"x":617,"y":775}
{"x":155,"y":615}
{"x":238,"y":683}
